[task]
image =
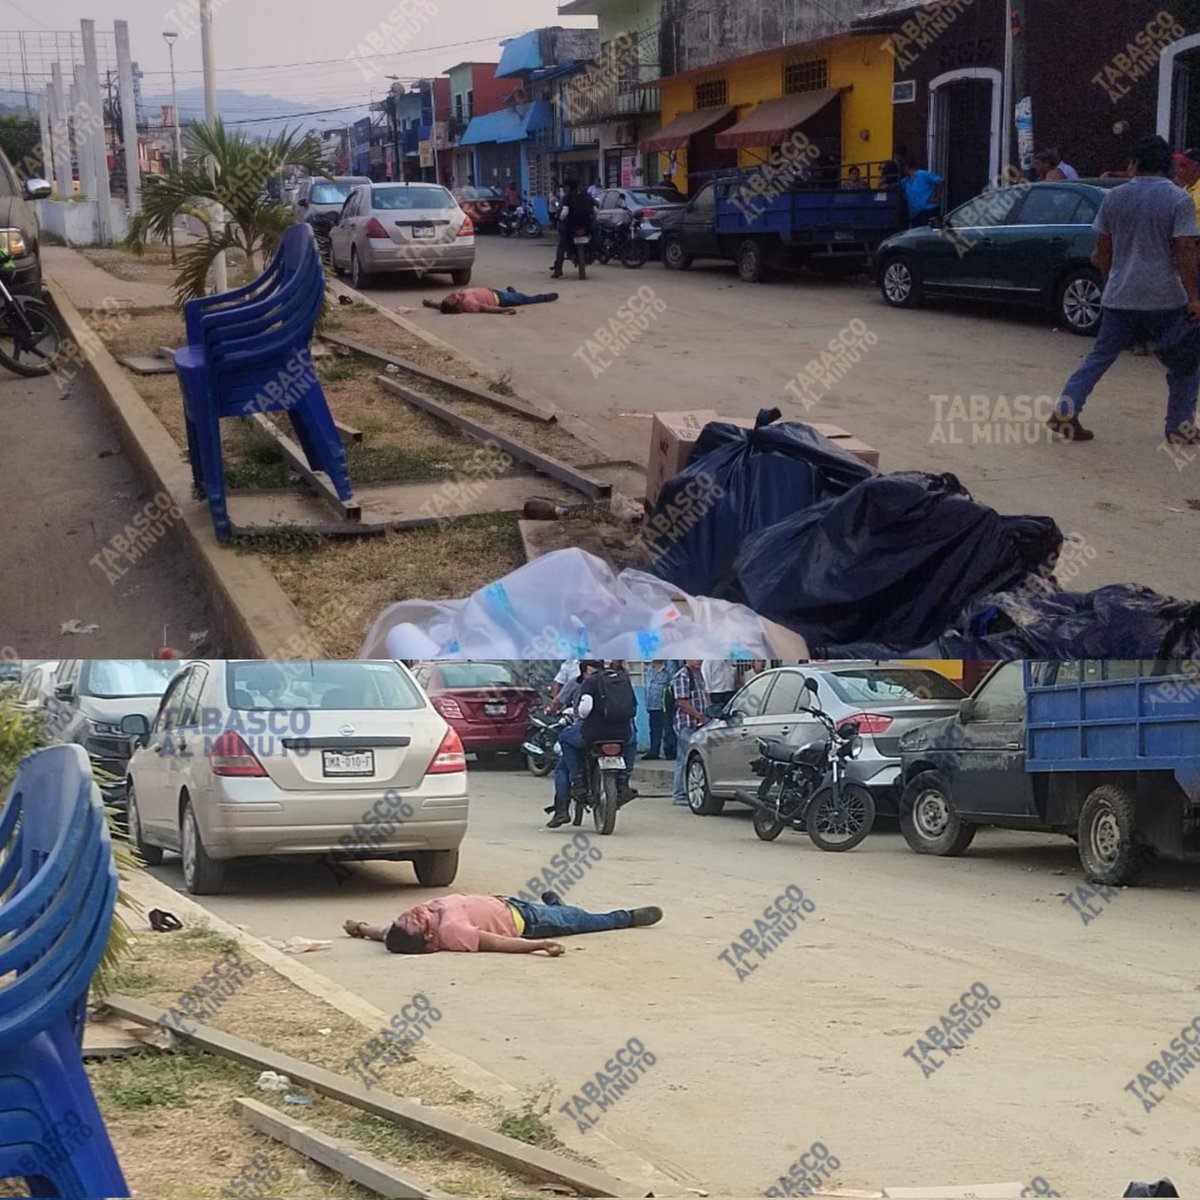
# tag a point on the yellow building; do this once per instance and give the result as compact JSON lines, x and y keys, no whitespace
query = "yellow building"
{"x":839,"y":88}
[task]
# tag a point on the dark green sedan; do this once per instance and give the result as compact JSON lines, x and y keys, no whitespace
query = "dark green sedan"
{"x":1029,"y":245}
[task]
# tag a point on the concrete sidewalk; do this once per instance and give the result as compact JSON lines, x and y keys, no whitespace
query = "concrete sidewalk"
{"x":91,"y":287}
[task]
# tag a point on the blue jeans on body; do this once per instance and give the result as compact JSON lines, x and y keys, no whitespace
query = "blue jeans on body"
{"x":508,"y":299}
{"x":562,"y":920}
{"x":571,"y":743}
{"x":658,"y":726}
{"x":1175,"y":339}
{"x":678,"y":784}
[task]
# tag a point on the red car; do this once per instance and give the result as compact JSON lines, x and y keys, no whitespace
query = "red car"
{"x":485,"y":205}
{"x":482,"y":702}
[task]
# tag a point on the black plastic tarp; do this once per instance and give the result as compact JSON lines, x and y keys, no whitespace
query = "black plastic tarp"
{"x":894,"y":561}
{"x":1119,"y":621}
{"x":737,"y":482}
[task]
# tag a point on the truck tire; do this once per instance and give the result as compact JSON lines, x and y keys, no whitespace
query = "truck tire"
{"x":929,"y":824}
{"x":1110,"y":848}
{"x":751,"y":261}
{"x":674,"y":256}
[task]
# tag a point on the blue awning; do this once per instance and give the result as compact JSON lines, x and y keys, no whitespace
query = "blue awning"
{"x":508,"y":125}
{"x":520,"y":54}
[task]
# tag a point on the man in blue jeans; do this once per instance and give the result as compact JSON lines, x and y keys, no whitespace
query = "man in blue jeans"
{"x":502,"y":924}
{"x":1146,"y":251}
{"x":506,"y":301}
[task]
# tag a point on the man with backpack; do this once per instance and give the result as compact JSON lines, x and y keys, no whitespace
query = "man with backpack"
{"x":605,"y":712}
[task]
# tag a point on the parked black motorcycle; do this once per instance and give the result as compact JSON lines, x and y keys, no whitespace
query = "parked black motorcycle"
{"x":520,"y":221}
{"x":541,"y":741}
{"x":30,"y":339}
{"x":804,"y":787}
{"x":627,"y":242}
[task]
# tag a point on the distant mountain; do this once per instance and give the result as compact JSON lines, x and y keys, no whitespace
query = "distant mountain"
{"x":234,"y":106}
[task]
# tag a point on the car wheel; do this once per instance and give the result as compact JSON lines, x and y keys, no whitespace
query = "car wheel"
{"x":1078,"y":303}
{"x":751,"y":261}
{"x":150,"y":855}
{"x":899,"y":285}
{"x":436,"y":868}
{"x":461,"y":278}
{"x":700,"y":800}
{"x":674,"y":257}
{"x":358,"y":277}
{"x":1110,"y":848}
{"x":202,"y":875}
{"x":929,"y":824}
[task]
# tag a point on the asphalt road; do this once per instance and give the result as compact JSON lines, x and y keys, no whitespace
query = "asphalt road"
{"x":69,"y":499}
{"x":717,"y":343}
{"x":811,"y":1045}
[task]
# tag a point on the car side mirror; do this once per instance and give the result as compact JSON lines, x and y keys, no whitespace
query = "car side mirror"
{"x":714,"y":711}
{"x":64,"y":691}
{"x":37,"y":189}
{"x":811,"y":685}
{"x":966,"y":710}
{"x":935,"y":222}
{"x":137,"y":726}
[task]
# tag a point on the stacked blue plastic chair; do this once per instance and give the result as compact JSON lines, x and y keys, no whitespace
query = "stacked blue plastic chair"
{"x":58,"y":890}
{"x":247,"y":353}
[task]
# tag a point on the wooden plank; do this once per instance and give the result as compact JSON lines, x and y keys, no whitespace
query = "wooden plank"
{"x":348,"y":434}
{"x":343,"y":1157}
{"x":348,"y":510}
{"x":511,"y":403}
{"x":526,"y":1160}
{"x":587,"y":484}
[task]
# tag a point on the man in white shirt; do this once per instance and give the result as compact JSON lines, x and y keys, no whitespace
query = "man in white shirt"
{"x":566,"y":673}
{"x":720,"y":680}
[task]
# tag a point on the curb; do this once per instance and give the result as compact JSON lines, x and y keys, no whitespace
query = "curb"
{"x":251,"y":612}
{"x":630,"y":1168}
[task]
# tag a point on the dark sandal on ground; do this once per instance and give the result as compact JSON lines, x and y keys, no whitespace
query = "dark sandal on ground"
{"x":163,"y":922}
{"x":650,"y":915}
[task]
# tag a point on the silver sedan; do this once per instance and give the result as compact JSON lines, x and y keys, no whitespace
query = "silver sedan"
{"x":884,"y":700}
{"x":393,"y":228}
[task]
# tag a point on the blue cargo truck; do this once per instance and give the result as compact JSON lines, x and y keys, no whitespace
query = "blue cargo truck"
{"x":1104,"y":751}
{"x":764,"y":224}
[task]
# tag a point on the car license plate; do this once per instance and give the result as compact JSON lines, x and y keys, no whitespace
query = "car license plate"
{"x":422,"y":231}
{"x":612,"y":764}
{"x":843,"y":237}
{"x":348,"y":762}
{"x":496,"y":710}
{"x":582,"y":241}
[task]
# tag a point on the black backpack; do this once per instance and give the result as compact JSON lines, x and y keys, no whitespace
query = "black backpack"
{"x":615,"y":700}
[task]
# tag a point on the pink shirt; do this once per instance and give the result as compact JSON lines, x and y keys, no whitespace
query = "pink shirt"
{"x":455,"y":922}
{"x":474,"y":300}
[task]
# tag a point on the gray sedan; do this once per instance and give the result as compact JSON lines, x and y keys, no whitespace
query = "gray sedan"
{"x":885,"y":700}
{"x":388,"y":228}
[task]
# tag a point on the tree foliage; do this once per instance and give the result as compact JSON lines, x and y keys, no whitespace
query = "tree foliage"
{"x":236,"y":184}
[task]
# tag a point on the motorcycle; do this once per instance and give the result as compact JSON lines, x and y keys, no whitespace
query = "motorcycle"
{"x":30,"y":339}
{"x":603,"y":768}
{"x":628,"y":242}
{"x":520,"y":222}
{"x":541,"y":741}
{"x":584,"y":248}
{"x":804,"y":787}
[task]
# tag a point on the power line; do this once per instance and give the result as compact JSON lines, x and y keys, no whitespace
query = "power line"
{"x":317,"y":62}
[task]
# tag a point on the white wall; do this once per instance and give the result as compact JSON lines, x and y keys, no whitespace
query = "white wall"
{"x":75,"y":221}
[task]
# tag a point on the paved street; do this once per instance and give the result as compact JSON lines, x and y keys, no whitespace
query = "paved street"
{"x":83,"y":540}
{"x":734,"y":347}
{"x":811,"y":1046}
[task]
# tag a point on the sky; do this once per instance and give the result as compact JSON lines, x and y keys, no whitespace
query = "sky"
{"x":295,"y":49}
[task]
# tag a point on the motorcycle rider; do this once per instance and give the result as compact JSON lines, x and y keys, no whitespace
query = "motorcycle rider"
{"x":606,"y":711}
{"x":577,"y":215}
{"x":564,"y":701}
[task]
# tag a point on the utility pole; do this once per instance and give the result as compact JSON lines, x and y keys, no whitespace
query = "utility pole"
{"x":1022,"y":112}
{"x":169,"y":37}
{"x":220,"y":274}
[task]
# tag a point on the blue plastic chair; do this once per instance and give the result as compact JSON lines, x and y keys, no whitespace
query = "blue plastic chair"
{"x":247,"y":353}
{"x":58,"y":890}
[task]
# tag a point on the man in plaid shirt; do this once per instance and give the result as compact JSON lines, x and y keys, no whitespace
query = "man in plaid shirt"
{"x":690,"y":702}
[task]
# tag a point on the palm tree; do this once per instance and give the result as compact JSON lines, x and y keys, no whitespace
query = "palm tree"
{"x":241,"y":170}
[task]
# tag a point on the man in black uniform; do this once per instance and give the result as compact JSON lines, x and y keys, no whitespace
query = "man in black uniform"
{"x":576,"y":216}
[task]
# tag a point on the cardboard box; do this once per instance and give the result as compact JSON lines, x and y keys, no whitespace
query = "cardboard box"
{"x":846,"y":441}
{"x":673,"y":436}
